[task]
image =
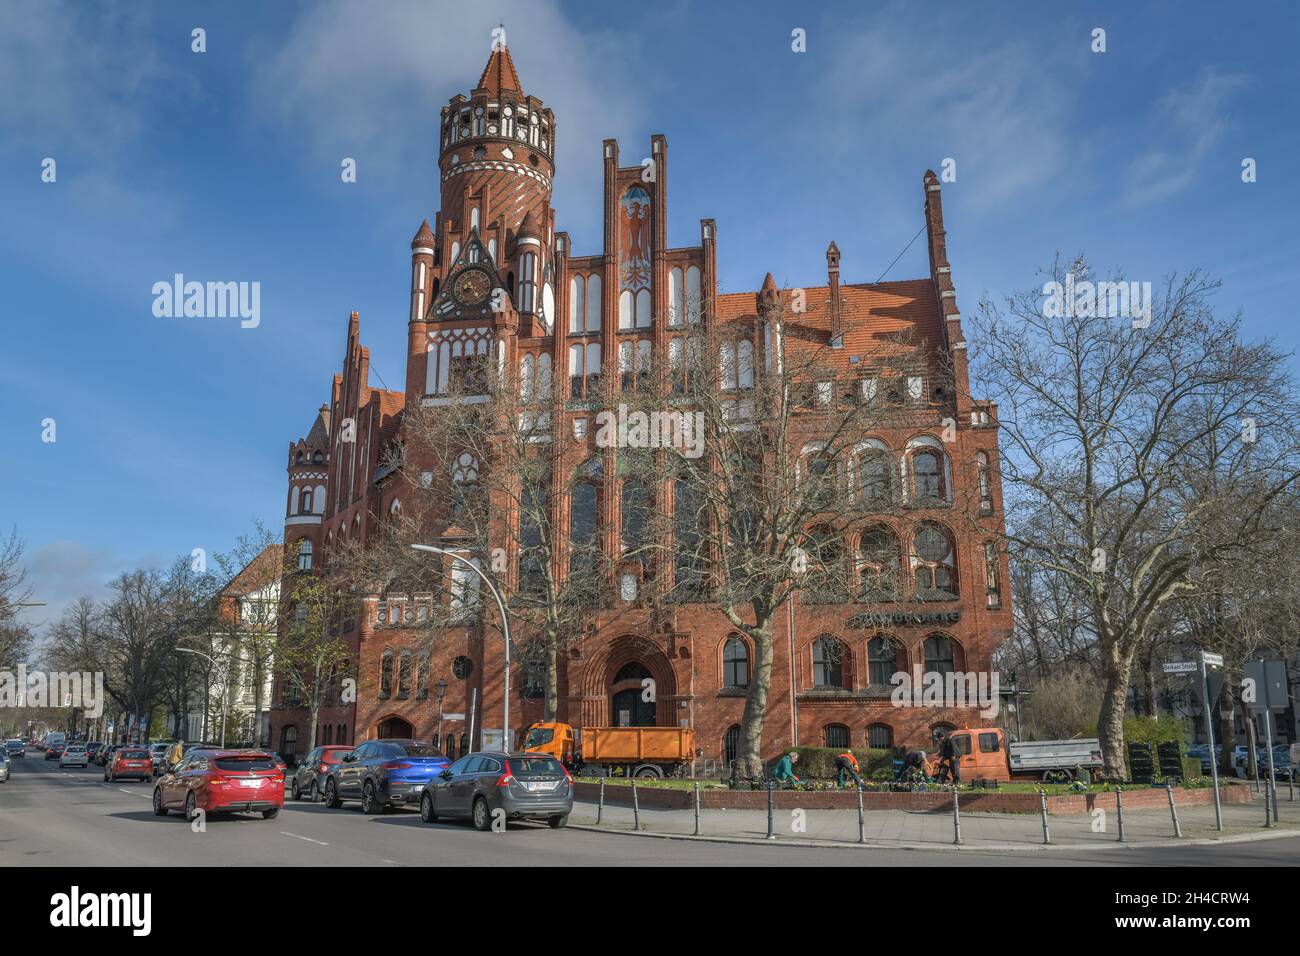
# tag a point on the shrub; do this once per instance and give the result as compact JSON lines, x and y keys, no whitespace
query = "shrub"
{"x":819,"y":762}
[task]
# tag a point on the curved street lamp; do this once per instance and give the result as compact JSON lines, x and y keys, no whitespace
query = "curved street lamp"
{"x":505,"y":626}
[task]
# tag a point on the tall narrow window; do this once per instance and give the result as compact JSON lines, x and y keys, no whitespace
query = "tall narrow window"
{"x":939,"y":655}
{"x":534,"y":523}
{"x":927,"y":476}
{"x":577,"y":304}
{"x":985,"y":486}
{"x":466,"y":601}
{"x":593,"y":303}
{"x":527,"y":282}
{"x":829,"y":661}
{"x":635,"y":515}
{"x":304,"y":555}
{"x":934,"y":564}
{"x":992,"y":586}
{"x":735,"y":663}
{"x":882,"y":660}
{"x":688,"y":539}
{"x":584,"y":540}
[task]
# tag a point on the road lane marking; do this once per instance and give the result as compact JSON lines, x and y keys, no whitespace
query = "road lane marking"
{"x":308,"y":839}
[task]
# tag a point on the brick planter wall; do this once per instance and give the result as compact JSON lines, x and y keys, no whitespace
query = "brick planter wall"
{"x":931,"y":801}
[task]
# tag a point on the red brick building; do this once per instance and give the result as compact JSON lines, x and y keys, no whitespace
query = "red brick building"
{"x":564,"y":317}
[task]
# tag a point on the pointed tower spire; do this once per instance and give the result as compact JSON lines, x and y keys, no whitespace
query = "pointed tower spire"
{"x":499,"y":74}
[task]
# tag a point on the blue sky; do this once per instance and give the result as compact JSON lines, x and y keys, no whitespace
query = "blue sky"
{"x":172,"y":433}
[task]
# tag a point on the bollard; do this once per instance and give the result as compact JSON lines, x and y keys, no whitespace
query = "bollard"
{"x":1173,"y":810}
{"x":697,"y":809}
{"x":1273,"y":784}
{"x":636,"y":808}
{"x":956,"y":818}
{"x":770,"y":834}
{"x":1042,"y":803}
{"x":1119,"y":811}
{"x":600,"y":802}
{"x":1268,"y":808}
{"x":862,"y":820}
{"x":1290,"y":786}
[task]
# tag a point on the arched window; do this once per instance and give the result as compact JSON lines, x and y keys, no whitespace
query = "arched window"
{"x":342,"y":735}
{"x":879,"y":565}
{"x":328,"y":735}
{"x":584,"y":538}
{"x":939,"y":656}
{"x":819,"y":474}
{"x":825,"y":564}
{"x":830,"y":662}
{"x":676,"y":313}
{"x":305,"y":505}
{"x":386,"y":675}
{"x":404,"y":676}
{"x":464,"y":743}
{"x":934,"y":563}
{"x":876,"y":478}
{"x":464,"y":477}
{"x":927,"y":476}
{"x":731,"y":744}
{"x":985,"y":486}
{"x":882,"y":660}
{"x":633,"y":671}
{"x":837,"y":736}
{"x":527,"y":282}
{"x":688,"y":538}
{"x":593,"y":303}
{"x":534,"y":525}
{"x":304,"y":554}
{"x":635,"y":516}
{"x":289,"y":743}
{"x":577,"y":304}
{"x":735,"y":662}
{"x":880,"y":737}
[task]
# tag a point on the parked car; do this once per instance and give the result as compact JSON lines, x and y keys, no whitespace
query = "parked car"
{"x":74,"y":755}
{"x":480,"y":786}
{"x":383,"y":774}
{"x":1201,"y":752}
{"x":54,"y":752}
{"x":158,"y":753}
{"x":15,"y":748}
{"x":221,"y":781}
{"x":105,"y":755}
{"x":4,"y":766}
{"x":129,"y":762}
{"x":93,"y":748}
{"x":309,"y":778}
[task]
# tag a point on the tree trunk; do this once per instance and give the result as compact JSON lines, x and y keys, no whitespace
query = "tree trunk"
{"x":552,"y":696}
{"x":749,"y":755}
{"x":1110,"y":721}
{"x":1226,"y":730}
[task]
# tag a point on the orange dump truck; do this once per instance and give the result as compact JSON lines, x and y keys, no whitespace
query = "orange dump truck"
{"x":626,"y":751}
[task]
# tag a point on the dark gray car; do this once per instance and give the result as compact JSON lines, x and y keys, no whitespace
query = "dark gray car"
{"x":492,"y":785}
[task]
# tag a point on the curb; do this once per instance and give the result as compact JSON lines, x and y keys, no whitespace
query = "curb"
{"x":940,"y":847}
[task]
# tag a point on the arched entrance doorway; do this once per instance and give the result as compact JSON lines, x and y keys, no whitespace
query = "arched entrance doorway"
{"x":395,"y":727}
{"x":628,"y":705}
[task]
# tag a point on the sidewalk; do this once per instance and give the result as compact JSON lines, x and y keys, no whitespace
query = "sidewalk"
{"x":897,"y":828}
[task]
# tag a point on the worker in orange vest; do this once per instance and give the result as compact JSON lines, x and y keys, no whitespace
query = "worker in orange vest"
{"x":847,"y":765}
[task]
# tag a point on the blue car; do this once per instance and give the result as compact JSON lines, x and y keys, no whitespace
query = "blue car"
{"x":383,"y":774}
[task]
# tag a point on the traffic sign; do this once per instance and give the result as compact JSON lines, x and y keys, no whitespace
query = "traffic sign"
{"x":1181,"y":667}
{"x":1270,"y":683}
{"x":450,"y":716}
{"x":1212,"y":660}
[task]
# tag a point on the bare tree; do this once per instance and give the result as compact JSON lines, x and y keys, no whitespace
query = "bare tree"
{"x":15,"y":637}
{"x":1139,"y":451}
{"x":785,"y":472}
{"x":312,"y":658}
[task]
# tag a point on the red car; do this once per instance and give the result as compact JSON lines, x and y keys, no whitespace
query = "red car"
{"x":129,"y":762}
{"x":221,"y":781}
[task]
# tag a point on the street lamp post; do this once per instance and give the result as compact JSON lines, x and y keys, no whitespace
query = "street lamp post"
{"x":441,"y":693}
{"x":505,"y":626}
{"x":225,"y":687}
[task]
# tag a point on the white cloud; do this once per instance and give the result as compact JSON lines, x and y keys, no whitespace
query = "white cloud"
{"x":369,"y":80}
{"x":1188,"y":123}
{"x":985,"y":101}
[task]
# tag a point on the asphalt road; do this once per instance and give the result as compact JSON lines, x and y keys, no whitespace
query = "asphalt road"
{"x":54,"y":817}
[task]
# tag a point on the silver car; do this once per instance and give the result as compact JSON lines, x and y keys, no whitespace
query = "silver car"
{"x":491,"y":787}
{"x":74,"y":755}
{"x":4,"y":767}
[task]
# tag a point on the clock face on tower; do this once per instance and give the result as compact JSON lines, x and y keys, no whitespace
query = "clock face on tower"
{"x":471,"y":287}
